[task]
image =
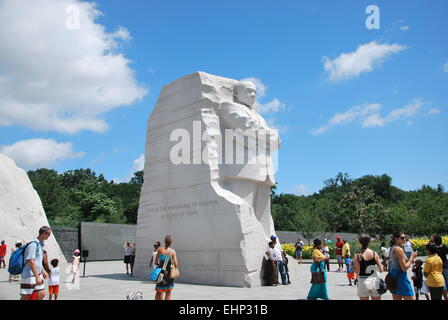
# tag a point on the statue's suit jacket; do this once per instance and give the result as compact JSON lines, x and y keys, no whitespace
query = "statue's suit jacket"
{"x":237,"y":116}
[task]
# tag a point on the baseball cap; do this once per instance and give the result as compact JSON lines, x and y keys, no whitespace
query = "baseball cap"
{"x":273,"y":237}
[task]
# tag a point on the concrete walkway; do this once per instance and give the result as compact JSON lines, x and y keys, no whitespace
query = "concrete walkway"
{"x":107,"y":280}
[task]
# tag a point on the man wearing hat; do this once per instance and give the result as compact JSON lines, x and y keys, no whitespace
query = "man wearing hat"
{"x":339,"y":257}
{"x":278,"y":258}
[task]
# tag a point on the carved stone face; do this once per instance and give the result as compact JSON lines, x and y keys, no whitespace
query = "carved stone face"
{"x":245,"y":93}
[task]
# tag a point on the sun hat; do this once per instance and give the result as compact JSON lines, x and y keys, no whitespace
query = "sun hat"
{"x":77,"y":251}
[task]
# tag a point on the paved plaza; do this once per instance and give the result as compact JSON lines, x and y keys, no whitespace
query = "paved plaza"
{"x":107,"y":280}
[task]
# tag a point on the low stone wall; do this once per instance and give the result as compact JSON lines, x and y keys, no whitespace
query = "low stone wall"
{"x":68,"y":240}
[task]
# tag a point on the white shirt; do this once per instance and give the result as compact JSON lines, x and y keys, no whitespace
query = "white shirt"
{"x":385,"y":252}
{"x":279,"y":250}
{"x":127,"y":251}
{"x":54,"y":276}
{"x":154,"y":254}
{"x":407,"y":246}
{"x":275,"y":254}
{"x":326,"y":251}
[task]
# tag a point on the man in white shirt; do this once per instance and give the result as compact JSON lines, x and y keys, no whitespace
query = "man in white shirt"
{"x":278,"y":254}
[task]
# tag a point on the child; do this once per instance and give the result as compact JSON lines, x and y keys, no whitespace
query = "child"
{"x":53,"y":283}
{"x":75,"y":263}
{"x":349,"y":267}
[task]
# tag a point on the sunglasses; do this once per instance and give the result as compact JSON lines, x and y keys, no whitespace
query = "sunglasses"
{"x":402,"y":238}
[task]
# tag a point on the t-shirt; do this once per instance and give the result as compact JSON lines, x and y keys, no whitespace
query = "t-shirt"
{"x":348,"y":264}
{"x":299,"y":245}
{"x":326,"y":251}
{"x":54,"y":276}
{"x":346,"y":249}
{"x":3,"y":250}
{"x":339,"y":246}
{"x":154,"y":254}
{"x":127,"y":251}
{"x":275,"y":254}
{"x":407,"y":246}
{"x":384,"y":252}
{"x":278,"y":246}
{"x":433,"y":266}
{"x":36,"y":252}
{"x":442,"y":252}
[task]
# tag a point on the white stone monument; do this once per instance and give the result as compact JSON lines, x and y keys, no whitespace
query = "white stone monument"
{"x":21,"y":211}
{"x":196,"y":188}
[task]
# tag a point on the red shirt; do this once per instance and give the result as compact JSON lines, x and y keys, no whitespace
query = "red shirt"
{"x":339,"y":246}
{"x":3,"y":250}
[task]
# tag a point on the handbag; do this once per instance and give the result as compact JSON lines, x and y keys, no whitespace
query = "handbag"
{"x":155,"y":274}
{"x":317,"y":277}
{"x":391,"y":281}
{"x":381,"y":286}
{"x":174,"y":272}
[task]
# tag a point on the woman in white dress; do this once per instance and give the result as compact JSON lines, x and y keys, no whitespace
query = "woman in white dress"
{"x":76,"y":260}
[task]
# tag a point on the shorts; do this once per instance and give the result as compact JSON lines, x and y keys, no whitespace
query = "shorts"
{"x":340,"y":259}
{"x":363,"y":292}
{"x":53,"y":289}
{"x":351,"y":275}
{"x":298,"y":253}
{"x":127,"y":259}
{"x":408,"y":255}
{"x":28,"y":286}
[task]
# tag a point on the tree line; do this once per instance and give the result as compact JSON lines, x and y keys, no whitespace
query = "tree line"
{"x":370,"y":204}
{"x":80,"y":195}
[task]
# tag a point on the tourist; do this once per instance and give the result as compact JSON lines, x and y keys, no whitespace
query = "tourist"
{"x":408,"y":248}
{"x":417,"y":279}
{"x":75,"y":263}
{"x":154,"y":254}
{"x":318,"y":288}
{"x":279,"y":261}
{"x":433,"y":272}
{"x":350,"y":271}
{"x":442,"y":252}
{"x":31,"y":275}
{"x":270,"y":275}
{"x":299,"y":250}
{"x":367,"y":265}
{"x":398,"y":266}
{"x":326,"y":252}
{"x":3,"y":249}
{"x":339,"y":257}
{"x":285,"y":263}
{"x":53,"y":283}
{"x":132,"y":260}
{"x":127,"y":255}
{"x":384,"y":255}
{"x":12,"y":277}
{"x":167,"y":285}
{"x":346,"y":250}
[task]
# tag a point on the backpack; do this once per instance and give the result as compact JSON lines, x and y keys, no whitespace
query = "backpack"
{"x":17,"y":260}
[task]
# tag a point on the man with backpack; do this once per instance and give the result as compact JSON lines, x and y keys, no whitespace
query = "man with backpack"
{"x":32,"y":280}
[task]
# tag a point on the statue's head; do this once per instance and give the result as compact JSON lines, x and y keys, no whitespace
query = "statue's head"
{"x":245,"y":92}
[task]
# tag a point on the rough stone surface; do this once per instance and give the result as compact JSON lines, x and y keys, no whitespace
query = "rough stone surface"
{"x":217,"y":235}
{"x":21,"y":211}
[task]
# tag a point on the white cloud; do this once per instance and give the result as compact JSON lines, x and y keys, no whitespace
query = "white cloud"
{"x":445,"y":67}
{"x":404,"y":28}
{"x":271,"y":106}
{"x":137,"y":165}
{"x":302,"y":190}
{"x":368,"y":115}
{"x":433,"y":111}
{"x":56,"y":78}
{"x":364,"y":59}
{"x":39,"y":153}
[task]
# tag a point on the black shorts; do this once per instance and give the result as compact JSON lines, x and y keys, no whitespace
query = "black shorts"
{"x":127,"y":259}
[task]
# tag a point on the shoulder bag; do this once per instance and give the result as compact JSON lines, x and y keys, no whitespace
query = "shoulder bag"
{"x":174,"y":272}
{"x":317,"y":277}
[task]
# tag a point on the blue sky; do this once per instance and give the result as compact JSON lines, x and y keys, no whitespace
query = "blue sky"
{"x":348,"y":98}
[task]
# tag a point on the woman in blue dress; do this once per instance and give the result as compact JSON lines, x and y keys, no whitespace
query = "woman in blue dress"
{"x":398,"y":267}
{"x":318,"y":291}
{"x":164,"y":253}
